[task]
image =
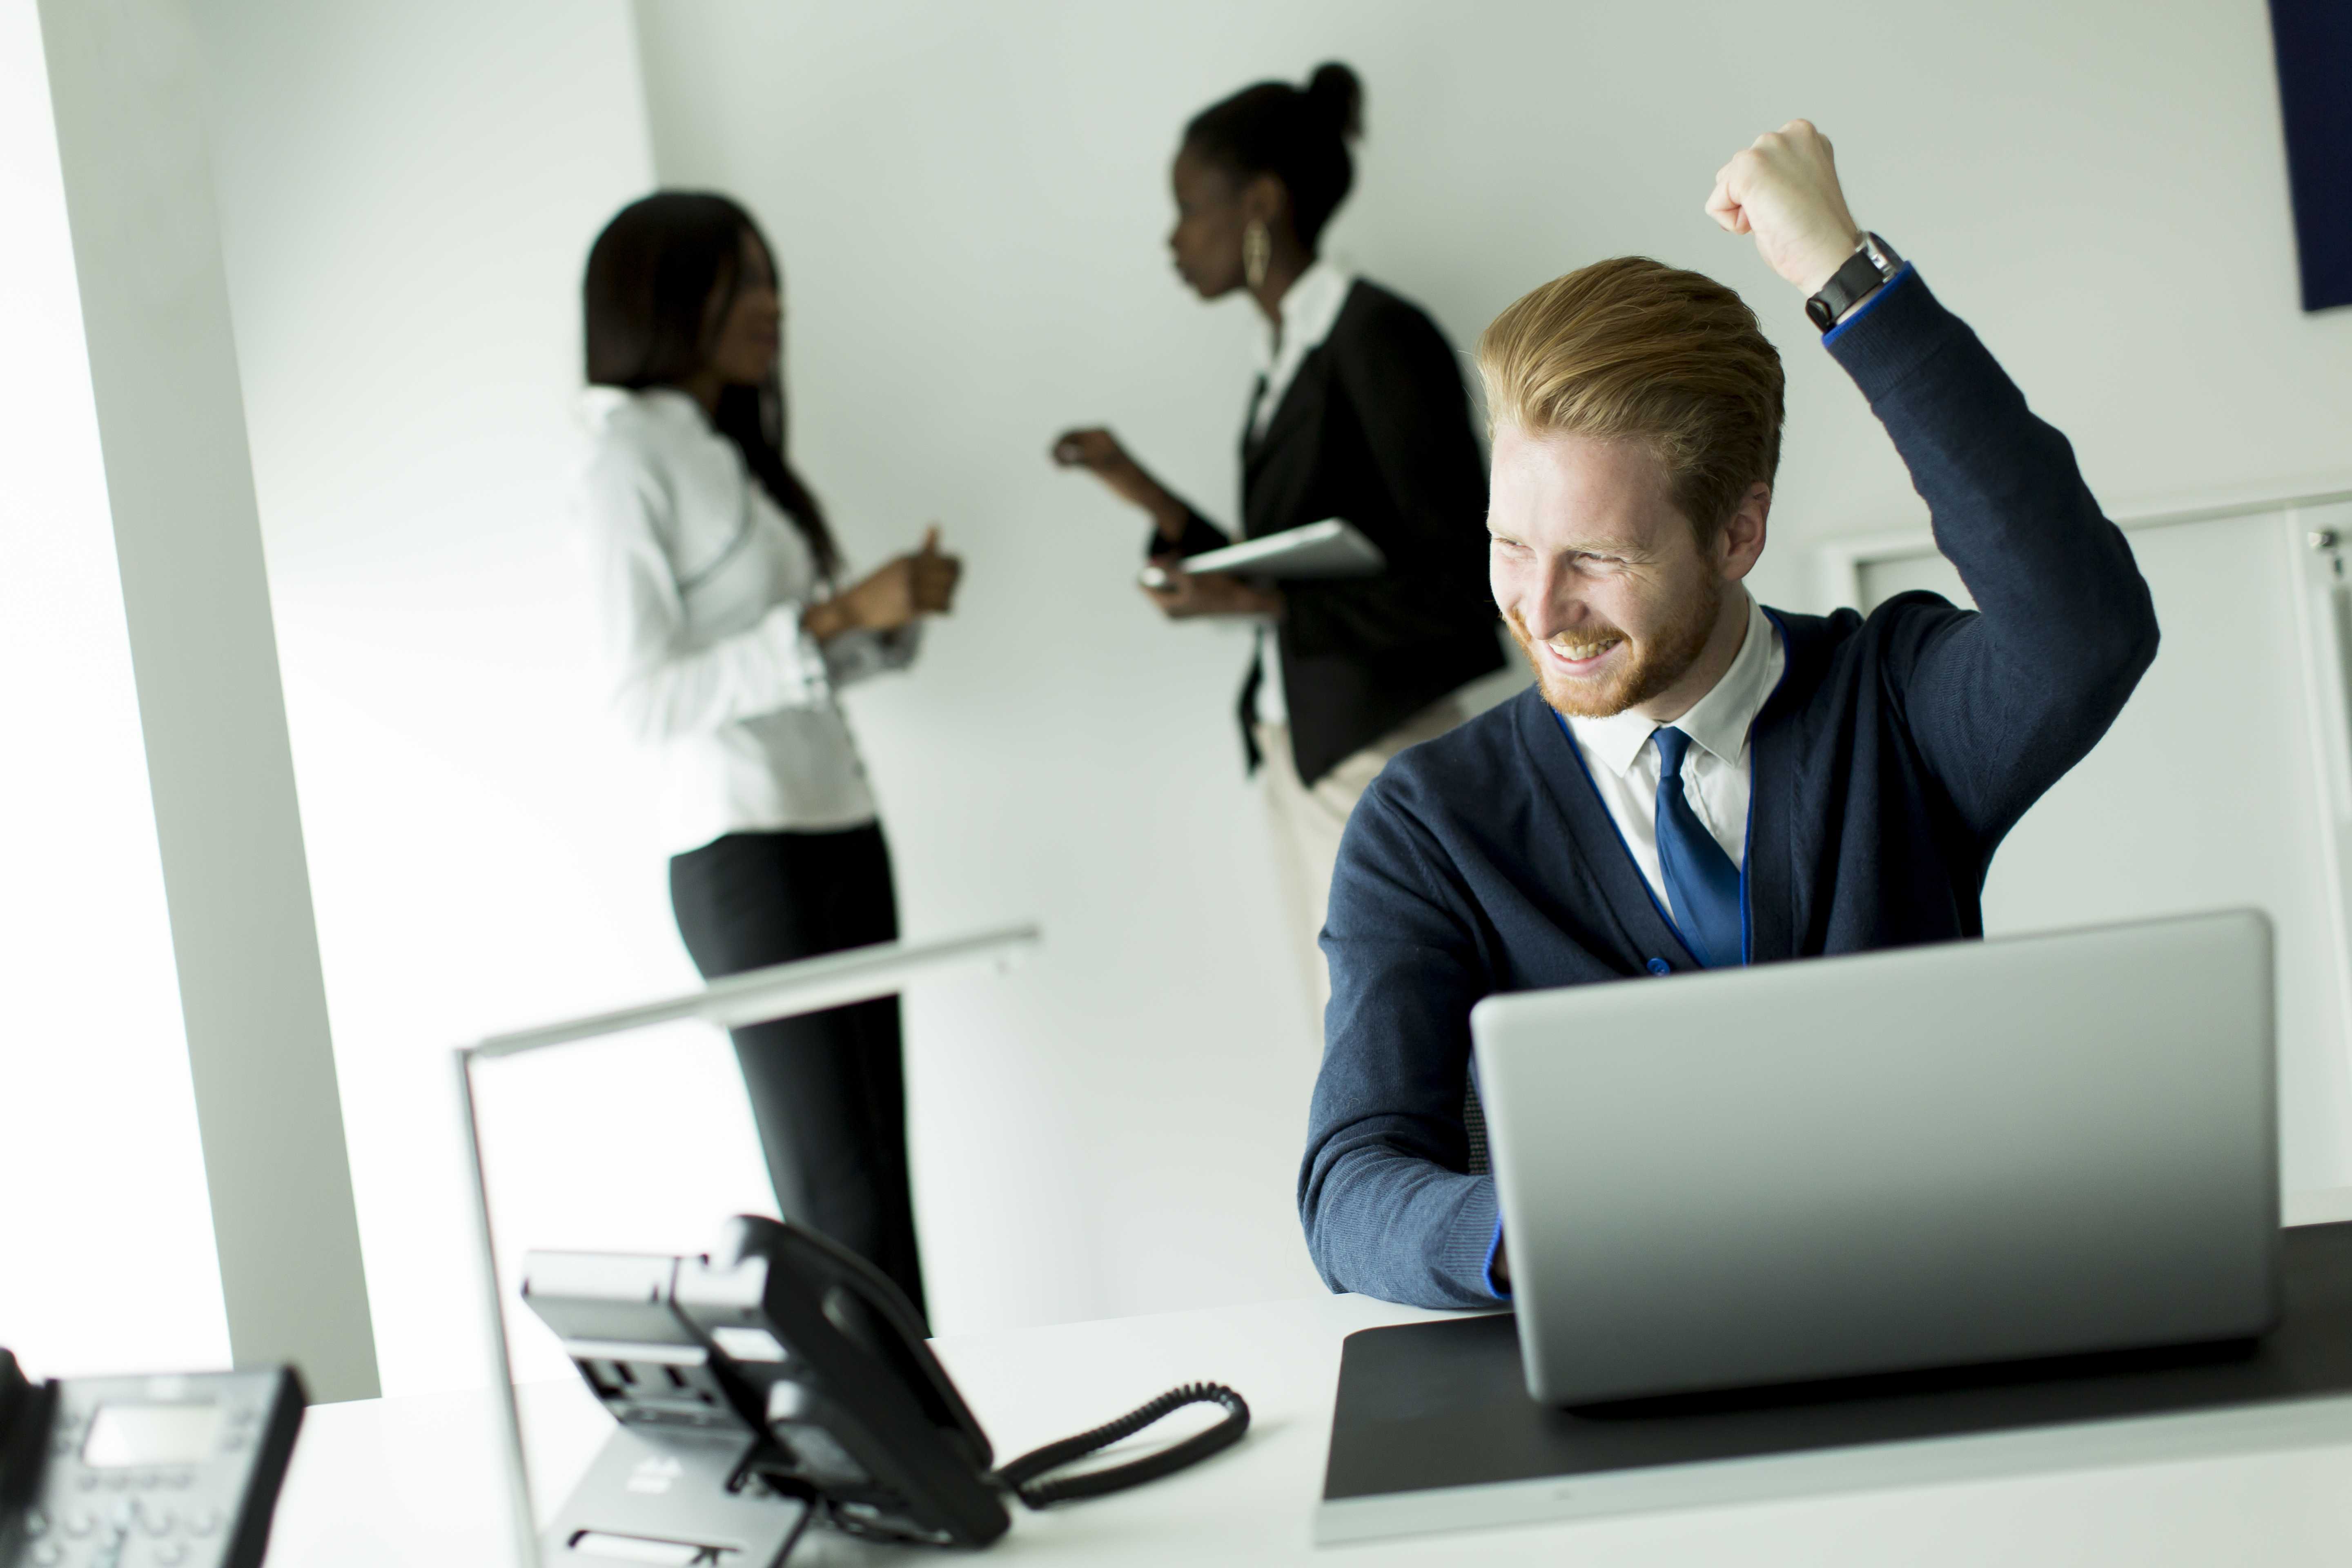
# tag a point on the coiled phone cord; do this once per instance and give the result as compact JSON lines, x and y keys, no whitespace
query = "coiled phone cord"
{"x":1021,"y":1477}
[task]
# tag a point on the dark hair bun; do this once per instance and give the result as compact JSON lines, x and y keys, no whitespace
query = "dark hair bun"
{"x":1298,"y":135}
{"x":1338,"y":95}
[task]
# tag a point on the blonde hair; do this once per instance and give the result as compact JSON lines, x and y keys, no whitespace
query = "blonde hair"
{"x":1632,"y":348}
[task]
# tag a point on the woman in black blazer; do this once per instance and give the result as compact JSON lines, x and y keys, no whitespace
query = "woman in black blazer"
{"x":1360,"y":414}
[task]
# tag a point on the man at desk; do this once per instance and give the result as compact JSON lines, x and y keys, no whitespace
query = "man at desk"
{"x":1695,"y":781}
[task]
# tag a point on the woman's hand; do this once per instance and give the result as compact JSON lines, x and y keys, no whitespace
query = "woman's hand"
{"x":1186,"y":594}
{"x":1098,"y":451}
{"x":893,"y":595}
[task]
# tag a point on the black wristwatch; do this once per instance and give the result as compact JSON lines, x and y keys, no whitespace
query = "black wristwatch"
{"x":1864,"y":273}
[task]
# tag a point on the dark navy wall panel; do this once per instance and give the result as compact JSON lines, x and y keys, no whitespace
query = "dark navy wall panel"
{"x":2314,"y":38}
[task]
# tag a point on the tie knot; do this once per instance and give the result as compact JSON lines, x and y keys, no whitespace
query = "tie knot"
{"x":1672,"y":746}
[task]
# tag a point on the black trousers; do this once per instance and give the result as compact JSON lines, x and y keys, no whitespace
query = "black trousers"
{"x":828,"y":1089}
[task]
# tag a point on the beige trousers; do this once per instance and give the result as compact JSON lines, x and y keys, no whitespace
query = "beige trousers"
{"x":1307,"y":820}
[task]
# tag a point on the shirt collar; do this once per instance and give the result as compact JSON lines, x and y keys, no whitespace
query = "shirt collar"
{"x":1718,"y":722}
{"x":1309,"y":309}
{"x":598,"y":407}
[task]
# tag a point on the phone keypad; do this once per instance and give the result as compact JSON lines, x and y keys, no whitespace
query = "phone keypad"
{"x":138,"y":1543}
{"x":146,"y":1516}
{"x":121,"y":1536}
{"x":130,"y":1533}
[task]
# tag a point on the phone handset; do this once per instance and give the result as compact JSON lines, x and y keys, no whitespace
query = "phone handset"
{"x":831,"y":1356}
{"x":860,"y":1338}
{"x":25,"y":1408}
{"x":780,"y":1378}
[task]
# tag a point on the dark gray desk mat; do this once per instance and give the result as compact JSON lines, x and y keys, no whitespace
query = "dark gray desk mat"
{"x":1442,"y":1405}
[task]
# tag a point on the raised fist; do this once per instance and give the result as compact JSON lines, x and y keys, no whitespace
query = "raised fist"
{"x":1784,"y":190}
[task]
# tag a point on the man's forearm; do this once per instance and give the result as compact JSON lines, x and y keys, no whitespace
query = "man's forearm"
{"x":1404,"y":1228}
{"x":2005,"y":496}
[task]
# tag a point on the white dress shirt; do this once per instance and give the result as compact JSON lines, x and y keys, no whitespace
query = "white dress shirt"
{"x":1309,"y":308}
{"x":1623,"y":761}
{"x":703,"y":582}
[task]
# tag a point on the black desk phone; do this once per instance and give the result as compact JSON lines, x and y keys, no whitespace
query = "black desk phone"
{"x":783,"y":1379}
{"x":177,"y":1471}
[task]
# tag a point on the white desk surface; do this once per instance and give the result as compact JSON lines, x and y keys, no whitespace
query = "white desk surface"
{"x":414,"y":1482}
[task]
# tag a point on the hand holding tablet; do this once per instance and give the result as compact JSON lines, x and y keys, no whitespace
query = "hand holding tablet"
{"x":1331,"y":548}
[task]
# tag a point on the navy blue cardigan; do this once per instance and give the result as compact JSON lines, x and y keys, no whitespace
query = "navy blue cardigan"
{"x":1889,"y":762}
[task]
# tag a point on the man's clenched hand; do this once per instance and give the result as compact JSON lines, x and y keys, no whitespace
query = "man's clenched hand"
{"x":1784,"y":190}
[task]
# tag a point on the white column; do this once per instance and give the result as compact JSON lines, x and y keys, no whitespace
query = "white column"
{"x":126,"y":95}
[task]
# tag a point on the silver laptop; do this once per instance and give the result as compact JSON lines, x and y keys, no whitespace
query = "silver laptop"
{"x":1935,"y":1156}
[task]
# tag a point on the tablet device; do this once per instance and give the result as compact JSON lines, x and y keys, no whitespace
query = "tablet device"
{"x":1331,"y":548}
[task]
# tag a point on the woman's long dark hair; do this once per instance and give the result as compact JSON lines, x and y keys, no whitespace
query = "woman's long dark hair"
{"x":1299,"y":135}
{"x":646,"y":299}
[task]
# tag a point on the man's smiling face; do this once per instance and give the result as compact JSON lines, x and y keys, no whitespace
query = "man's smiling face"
{"x":1597,"y":572}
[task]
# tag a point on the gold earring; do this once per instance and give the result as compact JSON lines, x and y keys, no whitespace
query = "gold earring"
{"x":1257,"y":249}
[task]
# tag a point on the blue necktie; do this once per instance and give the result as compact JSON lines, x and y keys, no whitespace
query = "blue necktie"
{"x":1702,"y":884}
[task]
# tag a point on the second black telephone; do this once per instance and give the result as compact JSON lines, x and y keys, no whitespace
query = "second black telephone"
{"x":781,"y":1378}
{"x":173,"y":1471}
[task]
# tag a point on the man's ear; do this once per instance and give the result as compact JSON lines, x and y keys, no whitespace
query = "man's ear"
{"x":1741,"y":538}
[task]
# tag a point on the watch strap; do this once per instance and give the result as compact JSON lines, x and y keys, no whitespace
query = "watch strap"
{"x":1866,"y":271}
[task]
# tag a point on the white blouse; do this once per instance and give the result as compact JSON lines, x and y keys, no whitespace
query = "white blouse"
{"x":703,"y":582}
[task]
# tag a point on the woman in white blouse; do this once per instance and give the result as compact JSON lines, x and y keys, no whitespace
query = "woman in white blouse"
{"x":729,"y":642}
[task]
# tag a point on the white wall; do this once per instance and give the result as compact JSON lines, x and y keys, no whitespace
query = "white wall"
{"x":969,"y":207}
{"x":106,"y":1242}
{"x":975,"y":199}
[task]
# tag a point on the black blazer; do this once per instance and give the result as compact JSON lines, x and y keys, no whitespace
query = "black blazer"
{"x":1374,"y":428}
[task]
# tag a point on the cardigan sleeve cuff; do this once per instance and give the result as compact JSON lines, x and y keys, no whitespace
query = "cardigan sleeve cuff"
{"x":1465,"y":1254}
{"x":1493,"y":1249}
{"x":1894,"y":332}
